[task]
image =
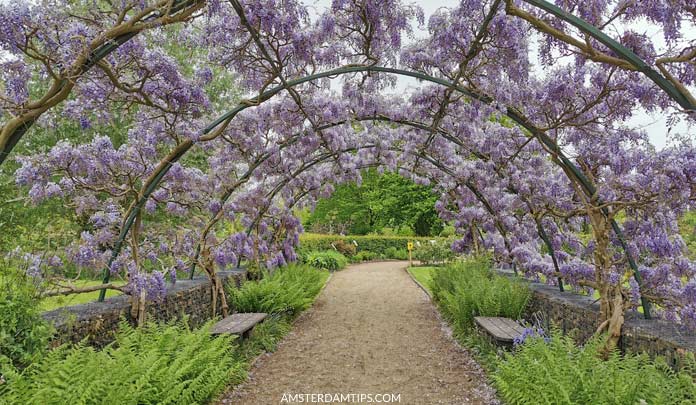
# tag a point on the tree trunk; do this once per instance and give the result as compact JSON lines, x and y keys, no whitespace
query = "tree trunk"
{"x":612,"y":301}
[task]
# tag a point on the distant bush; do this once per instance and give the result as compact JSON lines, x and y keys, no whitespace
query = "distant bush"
{"x":344,"y":248}
{"x":447,"y":232}
{"x":559,"y":372}
{"x":470,"y":288}
{"x":394,"y":253}
{"x":158,"y":364}
{"x":24,"y":333}
{"x":289,"y":289}
{"x":433,"y":252}
{"x":328,"y":259}
{"x":364,"y":256}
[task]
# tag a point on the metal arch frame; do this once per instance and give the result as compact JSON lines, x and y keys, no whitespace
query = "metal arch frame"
{"x":625,"y":53}
{"x":581,"y":24}
{"x":540,"y":230}
{"x":554,"y":150}
{"x":421,"y":154}
{"x":383,"y":118}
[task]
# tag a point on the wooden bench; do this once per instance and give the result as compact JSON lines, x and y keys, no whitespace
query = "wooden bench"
{"x":238,"y":324}
{"x":502,"y":330}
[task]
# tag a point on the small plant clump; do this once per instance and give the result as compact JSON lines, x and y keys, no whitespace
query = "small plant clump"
{"x":162,"y":364}
{"x":326,"y":259}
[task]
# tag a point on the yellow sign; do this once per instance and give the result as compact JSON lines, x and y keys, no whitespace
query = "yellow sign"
{"x":409,"y":245}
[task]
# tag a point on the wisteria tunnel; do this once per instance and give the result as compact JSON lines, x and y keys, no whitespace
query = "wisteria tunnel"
{"x":518,"y":112}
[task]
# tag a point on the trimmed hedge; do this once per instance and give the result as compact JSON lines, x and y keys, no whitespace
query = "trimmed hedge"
{"x":377,"y":244}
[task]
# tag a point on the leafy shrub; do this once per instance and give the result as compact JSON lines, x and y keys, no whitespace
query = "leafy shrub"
{"x":394,"y":253}
{"x":344,"y":248}
{"x":158,"y":364}
{"x":365,"y":255}
{"x":24,"y":333}
{"x":448,"y":231}
{"x":328,"y":259}
{"x":289,"y":290}
{"x":559,"y":372}
{"x":470,"y":288}
{"x":437,"y":252}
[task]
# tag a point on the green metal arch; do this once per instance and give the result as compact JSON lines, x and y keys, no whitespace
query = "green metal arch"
{"x":625,"y":53}
{"x":581,"y":24}
{"x":477,"y":193}
{"x":512,"y":113}
{"x":418,"y":125}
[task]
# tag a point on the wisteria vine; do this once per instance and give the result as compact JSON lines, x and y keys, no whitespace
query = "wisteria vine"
{"x":527,"y":142}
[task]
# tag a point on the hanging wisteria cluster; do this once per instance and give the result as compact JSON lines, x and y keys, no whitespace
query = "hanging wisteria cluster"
{"x":519,"y":121}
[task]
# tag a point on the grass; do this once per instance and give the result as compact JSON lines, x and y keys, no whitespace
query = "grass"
{"x":50,"y":303}
{"x":424,"y":275}
{"x":485,"y":352}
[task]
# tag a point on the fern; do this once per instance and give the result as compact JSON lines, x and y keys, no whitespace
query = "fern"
{"x":289,"y":289}
{"x":470,"y":288}
{"x":159,"y":364}
{"x":559,"y":372}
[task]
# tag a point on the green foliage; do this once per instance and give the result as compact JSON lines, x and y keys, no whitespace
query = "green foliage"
{"x":448,"y":231}
{"x":423,"y":275}
{"x":24,"y":333}
{"x":433,"y":252}
{"x":374,"y":243}
{"x":158,"y":364}
{"x":364,"y":256}
{"x":327,"y":259}
{"x":265,"y":336}
{"x":559,"y":372}
{"x":470,"y":288}
{"x":289,"y":289}
{"x":687,"y":229}
{"x":381,"y":201}
{"x":59,"y":301}
{"x":395,"y":253}
{"x":344,"y":248}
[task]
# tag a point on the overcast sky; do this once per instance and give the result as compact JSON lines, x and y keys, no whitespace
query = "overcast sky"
{"x":654,"y":124}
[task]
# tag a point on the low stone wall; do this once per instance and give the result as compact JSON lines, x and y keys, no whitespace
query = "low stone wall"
{"x":579,"y":315}
{"x":98,"y":321}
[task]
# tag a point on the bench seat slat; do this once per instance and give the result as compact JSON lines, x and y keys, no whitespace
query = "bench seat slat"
{"x":502,"y":329}
{"x":238,"y":324}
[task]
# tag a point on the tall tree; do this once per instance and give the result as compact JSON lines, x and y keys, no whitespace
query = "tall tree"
{"x":381,"y":201}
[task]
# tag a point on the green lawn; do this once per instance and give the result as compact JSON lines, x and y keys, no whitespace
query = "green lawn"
{"x":423,"y":275}
{"x":50,"y":303}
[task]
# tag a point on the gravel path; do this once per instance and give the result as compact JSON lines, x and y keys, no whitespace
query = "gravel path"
{"x":371,"y":331}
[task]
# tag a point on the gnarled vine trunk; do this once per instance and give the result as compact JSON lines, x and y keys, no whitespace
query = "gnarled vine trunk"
{"x":612,"y":301}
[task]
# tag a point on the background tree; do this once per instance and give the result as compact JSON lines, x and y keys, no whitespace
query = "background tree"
{"x":379,"y":201}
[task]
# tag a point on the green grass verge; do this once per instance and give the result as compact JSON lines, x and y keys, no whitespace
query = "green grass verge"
{"x":424,"y":275}
{"x":50,"y":303}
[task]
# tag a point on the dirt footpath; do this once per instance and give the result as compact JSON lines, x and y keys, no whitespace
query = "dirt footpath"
{"x":371,"y":331}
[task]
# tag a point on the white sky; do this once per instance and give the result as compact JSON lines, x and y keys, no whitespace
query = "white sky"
{"x":654,"y":124}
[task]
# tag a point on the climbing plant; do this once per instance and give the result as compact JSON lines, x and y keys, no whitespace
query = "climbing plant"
{"x":520,"y":122}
